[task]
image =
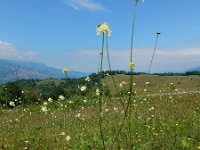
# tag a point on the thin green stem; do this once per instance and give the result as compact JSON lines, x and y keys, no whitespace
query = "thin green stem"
{"x":110,"y":69}
{"x":131,"y":75}
{"x":133,"y":32}
{"x":102,"y":50}
{"x":127,"y":111}
{"x":101,"y":99}
{"x":122,"y":125}
{"x":154,"y":51}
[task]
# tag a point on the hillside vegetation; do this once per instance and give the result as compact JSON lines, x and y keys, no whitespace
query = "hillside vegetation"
{"x":165,"y":116}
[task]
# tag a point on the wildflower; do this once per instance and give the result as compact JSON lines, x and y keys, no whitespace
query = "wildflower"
{"x":115,"y":109}
{"x":87,"y":79}
{"x":78,"y":115}
{"x":17,"y":120}
{"x":123,"y":82}
{"x":65,"y":70}
{"x":62,"y":133}
{"x":152,"y":108}
{"x":147,"y":83}
{"x":103,"y":28}
{"x":176,"y":90}
{"x":68,"y":138}
{"x":50,"y":100}
{"x":198,"y":147}
{"x":44,"y":109}
{"x":70,"y":102}
{"x":121,"y":85}
{"x":134,"y":84}
{"x":145,"y":90}
{"x":11,"y":103}
{"x":45,"y":103}
{"x":83,"y":88}
{"x":97,"y":92}
{"x":131,"y":65}
{"x":106,"y":110}
{"x":61,"y":97}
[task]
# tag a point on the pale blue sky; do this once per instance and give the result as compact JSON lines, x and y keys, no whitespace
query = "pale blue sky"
{"x":62,"y":33}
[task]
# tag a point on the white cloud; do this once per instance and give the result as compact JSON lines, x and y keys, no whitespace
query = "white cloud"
{"x":9,"y":51}
{"x":176,"y":60}
{"x":85,"y":4}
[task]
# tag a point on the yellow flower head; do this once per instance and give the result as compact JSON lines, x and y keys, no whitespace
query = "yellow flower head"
{"x":103,"y":28}
{"x":131,"y":65}
{"x":65,"y":70}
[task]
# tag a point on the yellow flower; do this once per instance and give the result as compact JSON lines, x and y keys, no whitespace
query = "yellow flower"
{"x":103,"y":28}
{"x":131,"y":65}
{"x":198,"y":147}
{"x":65,"y":70}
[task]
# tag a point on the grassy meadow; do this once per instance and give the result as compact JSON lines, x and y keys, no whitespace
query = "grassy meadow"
{"x":165,"y":116}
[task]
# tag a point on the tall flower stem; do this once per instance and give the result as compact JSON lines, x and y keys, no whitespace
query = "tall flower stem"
{"x":133,"y":32}
{"x":154,"y":51}
{"x":110,"y":69}
{"x":101,"y":98}
{"x":127,"y":112}
{"x":131,"y":75}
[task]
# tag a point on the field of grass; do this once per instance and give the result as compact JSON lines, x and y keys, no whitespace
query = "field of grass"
{"x":165,"y":116}
{"x":157,"y":84}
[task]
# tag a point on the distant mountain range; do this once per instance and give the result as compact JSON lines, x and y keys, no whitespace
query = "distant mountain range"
{"x":195,"y":69}
{"x":13,"y":70}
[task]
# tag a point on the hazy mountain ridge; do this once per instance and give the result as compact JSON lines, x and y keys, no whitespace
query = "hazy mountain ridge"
{"x":195,"y":69}
{"x":14,"y":70}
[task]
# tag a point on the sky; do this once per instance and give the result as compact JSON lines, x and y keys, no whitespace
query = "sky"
{"x":62,"y":33}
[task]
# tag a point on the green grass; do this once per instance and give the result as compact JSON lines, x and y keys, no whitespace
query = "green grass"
{"x":157,"y":84}
{"x":163,"y":122}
